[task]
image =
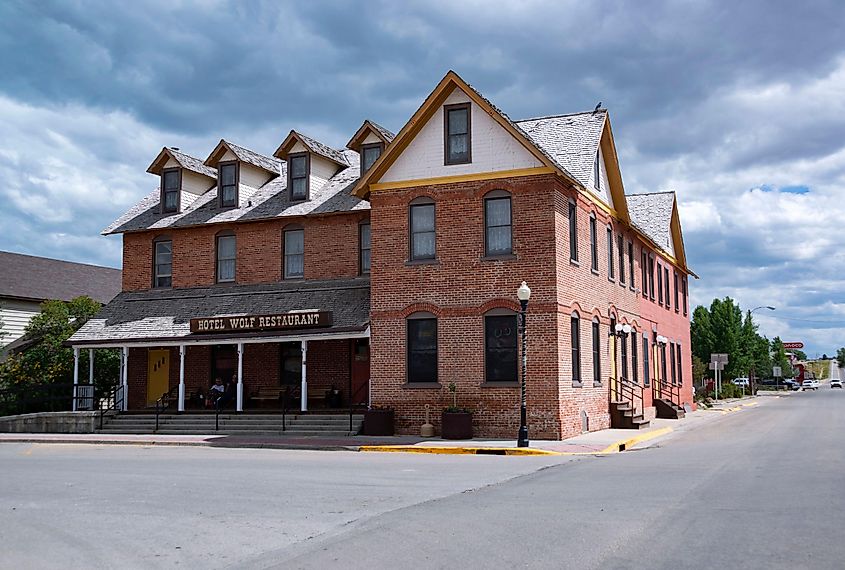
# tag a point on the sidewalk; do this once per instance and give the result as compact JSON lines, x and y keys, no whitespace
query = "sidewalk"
{"x":592,"y":443}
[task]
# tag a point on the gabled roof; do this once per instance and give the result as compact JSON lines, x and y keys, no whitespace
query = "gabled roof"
{"x":655,"y":214}
{"x":267,"y":163}
{"x":185,"y":161}
{"x":41,"y":278}
{"x":369,"y":127}
{"x":313,"y":146}
{"x":447,"y":85}
{"x":271,"y":201}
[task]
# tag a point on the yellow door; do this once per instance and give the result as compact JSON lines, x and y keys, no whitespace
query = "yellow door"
{"x":158,"y":375}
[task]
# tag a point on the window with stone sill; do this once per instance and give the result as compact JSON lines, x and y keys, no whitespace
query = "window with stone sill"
{"x":421,"y":345}
{"x":457,"y":132}
{"x":500,"y":346}
{"x":498,"y":238}
{"x":163,"y":262}
{"x":228,"y":173}
{"x":226,"y":257}
{"x":575,"y":342}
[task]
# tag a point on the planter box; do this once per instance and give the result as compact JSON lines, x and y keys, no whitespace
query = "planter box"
{"x":456,"y":425}
{"x":378,"y":422}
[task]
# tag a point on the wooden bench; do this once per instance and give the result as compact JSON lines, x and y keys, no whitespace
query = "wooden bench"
{"x":272,"y":397}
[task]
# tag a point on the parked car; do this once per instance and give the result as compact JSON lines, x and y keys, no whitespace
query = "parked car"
{"x":791,"y":384}
{"x":810,"y":384}
{"x":741,"y":382}
{"x":835,"y":383}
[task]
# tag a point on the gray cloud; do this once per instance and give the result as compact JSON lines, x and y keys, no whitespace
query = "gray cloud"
{"x":709,"y":99}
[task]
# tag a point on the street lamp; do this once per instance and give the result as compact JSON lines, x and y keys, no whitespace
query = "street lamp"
{"x":750,"y":374}
{"x":619,"y":331}
{"x":523,"y":294}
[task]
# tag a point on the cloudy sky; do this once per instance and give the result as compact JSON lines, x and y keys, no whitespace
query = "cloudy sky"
{"x":737,"y":106}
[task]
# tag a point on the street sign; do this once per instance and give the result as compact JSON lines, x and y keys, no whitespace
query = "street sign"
{"x":797,"y":344}
{"x":719,"y":357}
{"x":777,"y":372}
{"x":717,"y":366}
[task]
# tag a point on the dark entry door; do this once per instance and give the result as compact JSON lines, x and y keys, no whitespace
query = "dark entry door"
{"x":224,"y":362}
{"x":360,"y":371}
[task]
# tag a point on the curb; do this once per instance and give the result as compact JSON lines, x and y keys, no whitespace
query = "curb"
{"x":626,"y":444}
{"x":457,"y":450}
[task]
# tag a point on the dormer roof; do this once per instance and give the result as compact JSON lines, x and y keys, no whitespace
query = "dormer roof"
{"x":271,"y":165}
{"x":185,"y":161}
{"x":313,"y":146}
{"x":369,"y":127}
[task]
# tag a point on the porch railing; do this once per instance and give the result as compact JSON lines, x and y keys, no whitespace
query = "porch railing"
{"x":623,"y":390}
{"x":667,"y":391}
{"x":112,"y":401}
{"x":164,"y":403}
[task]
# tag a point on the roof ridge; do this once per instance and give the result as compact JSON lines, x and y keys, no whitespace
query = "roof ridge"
{"x":54,"y":260}
{"x":601,"y":110}
{"x":651,"y":193}
{"x":230,"y":143}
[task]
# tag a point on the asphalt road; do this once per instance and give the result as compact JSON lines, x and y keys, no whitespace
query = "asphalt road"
{"x":754,"y":489}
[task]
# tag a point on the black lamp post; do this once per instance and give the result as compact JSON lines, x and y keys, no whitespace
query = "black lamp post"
{"x":523,"y":294}
{"x":619,"y":331}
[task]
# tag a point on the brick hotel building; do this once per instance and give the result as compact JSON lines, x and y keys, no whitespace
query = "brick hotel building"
{"x":388,"y":270}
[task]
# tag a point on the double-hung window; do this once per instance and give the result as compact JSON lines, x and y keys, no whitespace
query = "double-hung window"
{"x":573,"y":232}
{"x":644,"y":271}
{"x":294,"y":253}
{"x":594,"y":246}
{"x":668,"y":303}
{"x":631,"y":264}
{"x":422,"y":230}
{"x":672,"y":359}
{"x":171,"y":184}
{"x":684,"y":293}
{"x":646,"y":359}
{"x":163,"y":263}
{"x":298,"y":167}
{"x":226,"y":255}
{"x":610,"y":271}
{"x":620,"y":247}
{"x":575,"y":340}
{"x":677,"y":292}
{"x":624,"y":357}
{"x":596,"y":352}
{"x":422,"y":348}
{"x":651,"y":276}
{"x":457,"y":133}
{"x":680,"y":366}
{"x":659,"y":284}
{"x":364,"y":247}
{"x":497,"y":224}
{"x":228,"y":184}
{"x":635,"y":371}
{"x":369,"y":155}
{"x":500,"y":348}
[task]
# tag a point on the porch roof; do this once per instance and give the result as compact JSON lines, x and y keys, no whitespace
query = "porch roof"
{"x":164,"y":315}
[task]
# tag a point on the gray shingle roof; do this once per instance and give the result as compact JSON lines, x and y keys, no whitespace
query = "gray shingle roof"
{"x":40,"y":278}
{"x":193,"y":164}
{"x":388,"y":136}
{"x":270,"y":164}
{"x":652,"y":214}
{"x":570,"y":140}
{"x":268,"y":202}
{"x":166,"y":314}
{"x":323,"y":150}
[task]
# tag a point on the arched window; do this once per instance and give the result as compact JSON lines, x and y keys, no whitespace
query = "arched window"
{"x":498,"y":238}
{"x":635,"y":372}
{"x":646,"y":359}
{"x":596,"y":326}
{"x":421,"y":216}
{"x":226,"y":257}
{"x":610,"y":271}
{"x":163,"y":261}
{"x":594,"y":245}
{"x":575,"y":341}
{"x":573,"y":231}
{"x":421,"y":346}
{"x":624,"y":356}
{"x":500,"y":346}
{"x":293,"y":246}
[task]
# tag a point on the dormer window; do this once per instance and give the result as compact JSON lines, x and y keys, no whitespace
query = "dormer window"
{"x":369,"y":155}
{"x":171,"y":184}
{"x":458,"y":143}
{"x":298,"y":173}
{"x":228,"y":184}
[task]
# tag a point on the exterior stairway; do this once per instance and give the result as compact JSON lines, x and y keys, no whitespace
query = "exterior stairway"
{"x":624,"y":416}
{"x":668,"y":409}
{"x":246,"y":424}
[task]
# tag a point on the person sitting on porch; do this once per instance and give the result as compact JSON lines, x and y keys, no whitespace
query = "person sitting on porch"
{"x":216,"y":391}
{"x":229,"y":393}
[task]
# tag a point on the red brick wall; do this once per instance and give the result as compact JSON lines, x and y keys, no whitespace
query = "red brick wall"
{"x":331,"y":251}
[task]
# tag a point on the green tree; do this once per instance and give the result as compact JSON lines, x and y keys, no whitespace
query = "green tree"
{"x":779,"y":358}
{"x":840,"y":357}
{"x":47,"y":361}
{"x":799,"y":354}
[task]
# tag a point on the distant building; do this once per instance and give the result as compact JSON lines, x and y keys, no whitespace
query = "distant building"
{"x":27,"y":281}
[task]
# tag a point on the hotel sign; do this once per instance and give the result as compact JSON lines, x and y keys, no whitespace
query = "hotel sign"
{"x":247,"y":323}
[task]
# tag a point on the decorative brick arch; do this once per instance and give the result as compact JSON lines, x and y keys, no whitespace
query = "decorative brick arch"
{"x":500,"y":303}
{"x":501,"y":184}
{"x":421,"y":308}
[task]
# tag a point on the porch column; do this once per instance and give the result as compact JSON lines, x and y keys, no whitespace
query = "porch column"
{"x":75,"y":375}
{"x":240,"y":376}
{"x":181,"y":377}
{"x":304,"y":388}
{"x":125,"y":380}
{"x":91,"y":367}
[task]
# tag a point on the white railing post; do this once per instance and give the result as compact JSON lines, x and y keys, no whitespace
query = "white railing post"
{"x":181,"y":377}
{"x":303,"y":399}
{"x":75,"y":375}
{"x":125,"y":380}
{"x":240,"y":377}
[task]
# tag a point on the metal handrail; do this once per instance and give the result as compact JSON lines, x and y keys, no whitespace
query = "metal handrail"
{"x":665,"y":390}
{"x":163,"y":403}
{"x":625,"y":390}
{"x":110,"y":402}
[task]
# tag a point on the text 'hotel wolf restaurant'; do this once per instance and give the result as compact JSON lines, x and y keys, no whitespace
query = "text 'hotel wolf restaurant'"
{"x":384,"y":276}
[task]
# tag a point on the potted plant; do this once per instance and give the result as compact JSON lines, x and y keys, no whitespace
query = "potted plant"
{"x":378,"y":421}
{"x":456,"y":422}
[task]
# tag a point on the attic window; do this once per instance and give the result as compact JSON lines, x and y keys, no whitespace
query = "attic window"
{"x":597,"y":172}
{"x":228,"y":189}
{"x":171,"y":184}
{"x":370,"y":154}
{"x":457,"y":133}
{"x":298,"y":167}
